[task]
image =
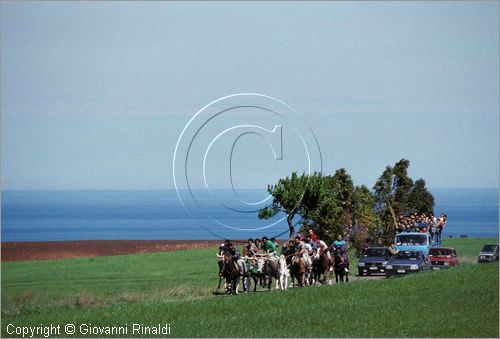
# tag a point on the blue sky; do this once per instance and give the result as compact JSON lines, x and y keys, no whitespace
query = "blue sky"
{"x":95,"y":94}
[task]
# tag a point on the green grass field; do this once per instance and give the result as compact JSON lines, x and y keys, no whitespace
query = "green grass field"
{"x":176,"y":288}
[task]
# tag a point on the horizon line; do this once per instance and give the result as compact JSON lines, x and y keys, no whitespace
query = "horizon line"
{"x":185,"y":189}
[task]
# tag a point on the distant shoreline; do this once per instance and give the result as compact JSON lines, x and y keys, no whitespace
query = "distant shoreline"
{"x":67,"y":249}
{"x":66,"y":216}
{"x":50,"y":250}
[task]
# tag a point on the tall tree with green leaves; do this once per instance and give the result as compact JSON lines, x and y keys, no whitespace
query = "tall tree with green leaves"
{"x":332,"y":205}
{"x":396,"y":193}
{"x":294,"y":196}
{"x":333,"y":212}
{"x":402,"y":185}
{"x":385,"y":202}
{"x":365,"y":221}
{"x":420,"y":200}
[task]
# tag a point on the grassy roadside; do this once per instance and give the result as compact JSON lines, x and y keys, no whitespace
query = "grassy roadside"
{"x":176,"y":288}
{"x":100,"y":281}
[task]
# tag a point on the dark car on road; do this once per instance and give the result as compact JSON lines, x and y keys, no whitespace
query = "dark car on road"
{"x":405,"y":262}
{"x":373,"y":261}
{"x":443,"y":257}
{"x":489,"y":253}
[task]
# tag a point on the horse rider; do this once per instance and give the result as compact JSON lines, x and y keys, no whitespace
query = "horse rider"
{"x":314,"y":248}
{"x":235,"y":254}
{"x":313,"y":236}
{"x":323,"y":248}
{"x":257,"y":244}
{"x":311,"y":242}
{"x":341,"y":245}
{"x":302,"y":249}
{"x":276,"y":244}
{"x":268,"y":247}
{"x":222,"y":248}
{"x":250,"y":248}
{"x":288,"y":249}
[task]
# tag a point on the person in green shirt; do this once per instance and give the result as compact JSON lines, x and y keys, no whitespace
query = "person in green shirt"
{"x":268,"y":246}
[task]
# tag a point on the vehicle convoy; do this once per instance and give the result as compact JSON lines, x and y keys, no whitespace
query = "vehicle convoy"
{"x":413,"y":241}
{"x":443,"y":257}
{"x":373,"y":261}
{"x":489,"y":253}
{"x":405,"y":262}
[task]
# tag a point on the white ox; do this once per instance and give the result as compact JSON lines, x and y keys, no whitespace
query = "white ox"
{"x":270,"y":269}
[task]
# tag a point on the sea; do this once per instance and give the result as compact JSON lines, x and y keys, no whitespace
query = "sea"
{"x":194,"y":215}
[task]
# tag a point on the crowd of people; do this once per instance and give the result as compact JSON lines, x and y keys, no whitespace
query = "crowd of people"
{"x":305,"y":246}
{"x":422,"y":223}
{"x":301,"y":246}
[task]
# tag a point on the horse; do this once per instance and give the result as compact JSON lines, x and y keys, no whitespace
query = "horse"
{"x":220,"y":263}
{"x":291,"y":269}
{"x":231,"y":273}
{"x":340,"y":265}
{"x":346,"y":259}
{"x":308,"y":273}
{"x":342,"y":251}
{"x":298,"y":270}
{"x":321,"y":267}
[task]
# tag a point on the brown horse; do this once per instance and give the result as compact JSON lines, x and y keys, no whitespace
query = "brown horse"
{"x":231,"y":274}
{"x":341,"y":268}
{"x":220,"y":263}
{"x":321,"y":267}
{"x":298,"y":270}
{"x":289,"y":262}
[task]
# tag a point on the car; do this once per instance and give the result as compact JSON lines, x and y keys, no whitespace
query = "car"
{"x":413,"y":241}
{"x":489,"y":253}
{"x":373,"y":260}
{"x":443,"y":257}
{"x":404,"y":262}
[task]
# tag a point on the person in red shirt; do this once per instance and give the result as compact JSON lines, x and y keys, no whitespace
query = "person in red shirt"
{"x":313,"y":236}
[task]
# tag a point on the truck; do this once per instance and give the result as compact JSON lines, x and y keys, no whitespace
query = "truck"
{"x":413,"y":241}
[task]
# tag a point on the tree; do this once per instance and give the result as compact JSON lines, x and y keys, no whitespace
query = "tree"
{"x":420,"y":199}
{"x":365,"y":221}
{"x":384,"y":202}
{"x":332,"y":205}
{"x":402,"y":185}
{"x":396,"y":193}
{"x":294,"y":196}
{"x":333,"y":211}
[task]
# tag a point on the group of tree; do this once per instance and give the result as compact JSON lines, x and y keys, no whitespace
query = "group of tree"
{"x":332,"y":204}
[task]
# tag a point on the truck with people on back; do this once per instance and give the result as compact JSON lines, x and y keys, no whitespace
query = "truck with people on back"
{"x":408,"y":241}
